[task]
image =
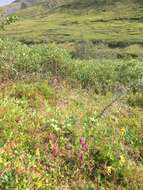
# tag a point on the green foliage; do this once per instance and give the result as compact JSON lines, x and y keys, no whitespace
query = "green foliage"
{"x":54,"y":135}
{"x":80,"y":21}
{"x":40,"y":139}
{"x":7,"y":21}
{"x":103,"y":75}
{"x":136,"y":99}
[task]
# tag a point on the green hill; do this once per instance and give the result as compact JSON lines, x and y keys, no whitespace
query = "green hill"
{"x":71,"y":95}
{"x":69,"y":124}
{"x":119,"y":22}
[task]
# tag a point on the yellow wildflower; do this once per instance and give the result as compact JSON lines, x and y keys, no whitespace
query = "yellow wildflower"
{"x":122,"y":131}
{"x":109,"y":170}
{"x":39,"y":184}
{"x":37,"y":152}
{"x":1,"y":160}
{"x":122,"y":160}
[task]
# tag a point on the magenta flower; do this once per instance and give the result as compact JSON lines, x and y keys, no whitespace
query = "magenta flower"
{"x":83,"y":144}
{"x":82,"y":140}
{"x":85,"y":147}
{"x":81,"y":156}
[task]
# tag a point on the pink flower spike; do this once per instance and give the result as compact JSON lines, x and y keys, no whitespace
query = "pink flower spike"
{"x":81,"y":156}
{"x":82,"y":140}
{"x":85,"y":147}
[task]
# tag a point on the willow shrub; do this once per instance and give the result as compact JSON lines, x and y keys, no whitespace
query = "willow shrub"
{"x":105,"y":75}
{"x":101,"y":74}
{"x":39,"y":58}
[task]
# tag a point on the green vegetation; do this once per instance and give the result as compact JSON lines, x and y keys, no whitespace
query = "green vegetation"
{"x":111,"y":29}
{"x":56,"y":136}
{"x":82,"y":21}
{"x":71,"y":97}
{"x":4,"y":21}
{"x":100,"y":74}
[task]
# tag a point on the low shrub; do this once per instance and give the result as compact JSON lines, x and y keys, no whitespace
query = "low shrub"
{"x":102,"y":75}
{"x":136,"y":99}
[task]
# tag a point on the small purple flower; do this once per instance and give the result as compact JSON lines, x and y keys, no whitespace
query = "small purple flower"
{"x":85,"y":147}
{"x":82,"y":140}
{"x":81,"y":156}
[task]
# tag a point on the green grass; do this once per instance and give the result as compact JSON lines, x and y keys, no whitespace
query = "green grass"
{"x":70,"y":24}
{"x":72,"y":119}
{"x":102,"y":75}
{"x":35,"y":117}
{"x":49,"y":101}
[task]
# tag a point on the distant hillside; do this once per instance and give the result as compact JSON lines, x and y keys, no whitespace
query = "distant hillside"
{"x":22,"y":4}
{"x":117,"y":24}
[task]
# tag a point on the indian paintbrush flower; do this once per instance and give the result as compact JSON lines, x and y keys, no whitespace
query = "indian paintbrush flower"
{"x":82,"y":140}
{"x":84,"y":148}
{"x":81,"y":155}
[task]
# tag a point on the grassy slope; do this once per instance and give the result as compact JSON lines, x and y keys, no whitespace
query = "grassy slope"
{"x":115,"y":23}
{"x":36,"y":116}
{"x":43,"y":117}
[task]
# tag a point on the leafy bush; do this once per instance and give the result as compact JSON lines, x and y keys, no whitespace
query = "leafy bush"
{"x":136,"y":99}
{"x":56,"y":135}
{"x":22,"y":58}
{"x":103,"y":75}
{"x":42,"y":143}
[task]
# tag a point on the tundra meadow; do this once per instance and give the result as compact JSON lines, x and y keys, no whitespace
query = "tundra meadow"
{"x":71,"y":113}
